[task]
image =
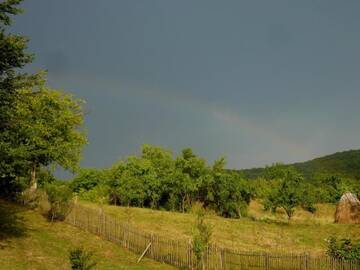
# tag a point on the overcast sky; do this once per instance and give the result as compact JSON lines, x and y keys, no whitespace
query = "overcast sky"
{"x":254,"y":81}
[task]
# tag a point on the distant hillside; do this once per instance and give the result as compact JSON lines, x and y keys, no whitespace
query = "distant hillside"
{"x":345,"y":163}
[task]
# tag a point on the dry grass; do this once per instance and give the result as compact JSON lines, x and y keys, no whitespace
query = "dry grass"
{"x":28,"y":241}
{"x":261,"y":231}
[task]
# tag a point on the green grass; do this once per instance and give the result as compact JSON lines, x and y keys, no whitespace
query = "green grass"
{"x":28,"y":241}
{"x":261,"y":231}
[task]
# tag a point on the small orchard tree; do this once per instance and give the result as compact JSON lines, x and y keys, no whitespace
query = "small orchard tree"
{"x":202,"y":233}
{"x":48,"y":130}
{"x":289,"y":193}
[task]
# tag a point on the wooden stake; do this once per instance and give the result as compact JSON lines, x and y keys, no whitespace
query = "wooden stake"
{"x":142,"y":255}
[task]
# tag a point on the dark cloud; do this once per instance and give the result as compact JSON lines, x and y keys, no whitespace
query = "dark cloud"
{"x":256,"y":81}
{"x":56,"y":62}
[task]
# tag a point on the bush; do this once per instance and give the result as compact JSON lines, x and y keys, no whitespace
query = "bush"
{"x":343,"y":249}
{"x":201,"y":235}
{"x":99,"y":194}
{"x":81,"y":259}
{"x":88,"y":179}
{"x":60,"y":200}
{"x":31,"y":198}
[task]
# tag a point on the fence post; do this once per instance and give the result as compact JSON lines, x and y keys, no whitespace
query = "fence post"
{"x":74,"y":215}
{"x":152,"y":245}
{"x":306,"y":261}
{"x":221,"y":254}
{"x":267,"y":261}
{"x":88,"y":221}
{"x":190,"y":255}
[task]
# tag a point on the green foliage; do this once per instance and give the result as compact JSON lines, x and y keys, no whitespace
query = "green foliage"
{"x":46,"y":131}
{"x":343,"y":249}
{"x":87,"y":179}
{"x":99,"y":194}
{"x":157,"y":180}
{"x":80,"y":259}
{"x":60,"y":200}
{"x":344,"y":164}
{"x":13,"y":57}
{"x":289,"y":192}
{"x":202,"y":233}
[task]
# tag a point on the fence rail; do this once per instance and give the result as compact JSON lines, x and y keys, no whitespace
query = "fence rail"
{"x":180,"y":253}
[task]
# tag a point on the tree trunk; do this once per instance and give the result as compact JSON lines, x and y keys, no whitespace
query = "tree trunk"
{"x":33,"y":182}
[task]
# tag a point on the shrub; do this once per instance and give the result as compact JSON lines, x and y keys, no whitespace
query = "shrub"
{"x":60,"y":200}
{"x":31,"y":198}
{"x":81,"y":259}
{"x":343,"y":249}
{"x":99,"y":194}
{"x":87,"y":179}
{"x":201,"y":235}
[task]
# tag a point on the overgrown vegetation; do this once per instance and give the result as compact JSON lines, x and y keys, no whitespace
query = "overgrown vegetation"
{"x":60,"y":200}
{"x":344,"y":249}
{"x":81,"y":259}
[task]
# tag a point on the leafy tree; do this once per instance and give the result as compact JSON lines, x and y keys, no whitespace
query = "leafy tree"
{"x":289,"y":193}
{"x":47,"y":130}
{"x":87,"y":179}
{"x":13,"y":57}
{"x":228,"y":194}
{"x":194,"y":171}
{"x":135,"y":183}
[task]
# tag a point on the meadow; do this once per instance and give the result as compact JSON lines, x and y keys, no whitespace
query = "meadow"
{"x":29,"y":241}
{"x":259,"y":231}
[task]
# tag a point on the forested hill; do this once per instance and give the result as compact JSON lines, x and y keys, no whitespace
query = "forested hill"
{"x":345,"y":163}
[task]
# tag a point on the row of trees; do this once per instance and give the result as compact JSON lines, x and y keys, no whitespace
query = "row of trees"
{"x":155,"y":179}
{"x":39,"y":126}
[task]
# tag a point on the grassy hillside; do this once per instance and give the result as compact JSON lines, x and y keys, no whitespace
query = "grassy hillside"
{"x":262,"y":231}
{"x":28,"y":241}
{"x":345,"y":163}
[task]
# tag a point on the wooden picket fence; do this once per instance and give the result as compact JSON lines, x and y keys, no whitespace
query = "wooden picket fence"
{"x":180,"y":253}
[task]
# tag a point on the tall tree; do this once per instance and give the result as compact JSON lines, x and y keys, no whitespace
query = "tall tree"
{"x":47,"y":130}
{"x":13,"y":57}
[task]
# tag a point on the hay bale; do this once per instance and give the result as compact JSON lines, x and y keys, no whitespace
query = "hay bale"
{"x":348,"y":209}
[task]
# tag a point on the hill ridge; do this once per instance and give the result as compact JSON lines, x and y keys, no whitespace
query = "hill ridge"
{"x":343,"y":163}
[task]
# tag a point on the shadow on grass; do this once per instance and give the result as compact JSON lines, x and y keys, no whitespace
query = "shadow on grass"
{"x":11,"y":223}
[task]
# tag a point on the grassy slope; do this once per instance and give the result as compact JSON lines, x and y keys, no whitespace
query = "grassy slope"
{"x":262,"y":232}
{"x":28,"y":241}
{"x":345,"y":163}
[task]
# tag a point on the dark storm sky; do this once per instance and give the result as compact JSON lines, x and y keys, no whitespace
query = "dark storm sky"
{"x":255,"y":81}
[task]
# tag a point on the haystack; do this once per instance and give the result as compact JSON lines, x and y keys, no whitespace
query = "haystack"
{"x":348,"y":209}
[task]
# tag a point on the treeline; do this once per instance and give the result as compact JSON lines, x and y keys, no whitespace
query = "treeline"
{"x":156,"y":179}
{"x":343,"y":164}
